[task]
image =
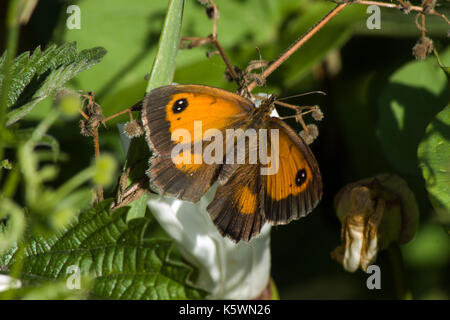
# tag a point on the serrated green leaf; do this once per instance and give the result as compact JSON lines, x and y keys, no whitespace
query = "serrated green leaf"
{"x":38,"y":76}
{"x":434,"y":159}
{"x":103,"y":245}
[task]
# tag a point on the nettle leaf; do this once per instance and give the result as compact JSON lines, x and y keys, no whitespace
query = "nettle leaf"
{"x":39,"y":75}
{"x":122,"y":264}
{"x":434,"y":155}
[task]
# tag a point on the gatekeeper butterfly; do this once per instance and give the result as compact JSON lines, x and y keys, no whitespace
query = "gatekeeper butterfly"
{"x":245,"y":198}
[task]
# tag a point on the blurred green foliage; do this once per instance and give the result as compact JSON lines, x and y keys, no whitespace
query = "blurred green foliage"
{"x":113,"y":252}
{"x":380,"y":105}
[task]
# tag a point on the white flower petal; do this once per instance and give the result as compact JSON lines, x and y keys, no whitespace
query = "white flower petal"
{"x":227,"y":270}
{"x":6,"y":283}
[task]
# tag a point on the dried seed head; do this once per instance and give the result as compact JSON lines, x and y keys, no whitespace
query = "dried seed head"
{"x":313,"y":131}
{"x":422,"y":48}
{"x":310,"y":134}
{"x":210,"y":12}
{"x":93,"y":109}
{"x":132,"y":129}
{"x":228,"y":75}
{"x":203,"y":2}
{"x":88,"y":126}
{"x":84,"y":129}
{"x":317,"y":114}
{"x":306,"y":137}
{"x":406,"y":7}
{"x":428,"y":6}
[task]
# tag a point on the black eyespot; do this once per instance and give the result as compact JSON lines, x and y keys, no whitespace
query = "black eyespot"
{"x":300,"y":178}
{"x":179,"y":105}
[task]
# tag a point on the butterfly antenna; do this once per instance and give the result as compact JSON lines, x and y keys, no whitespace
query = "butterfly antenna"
{"x":304,"y":94}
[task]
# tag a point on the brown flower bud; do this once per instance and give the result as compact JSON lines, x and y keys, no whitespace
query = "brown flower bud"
{"x":310,"y":134}
{"x":422,"y":48}
{"x":317,"y":114}
{"x":132,"y":129}
{"x":374,"y":213}
{"x":406,"y":7}
{"x":428,"y":6}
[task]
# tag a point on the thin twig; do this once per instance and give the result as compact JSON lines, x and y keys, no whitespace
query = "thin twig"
{"x":117,"y":114}
{"x":216,"y":15}
{"x":300,"y":42}
{"x":225,"y":59}
{"x":401,"y":6}
{"x":424,"y":30}
{"x":97,"y":157}
{"x":213,"y":40}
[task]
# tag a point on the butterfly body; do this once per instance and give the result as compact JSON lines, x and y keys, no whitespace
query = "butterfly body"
{"x":277,"y":188}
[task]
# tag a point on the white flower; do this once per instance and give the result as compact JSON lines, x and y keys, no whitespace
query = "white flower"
{"x":6,"y":283}
{"x":226,"y":270}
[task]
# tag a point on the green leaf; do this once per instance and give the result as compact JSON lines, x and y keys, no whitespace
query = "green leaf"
{"x":122,"y":264}
{"x":15,"y":226}
{"x":434,"y":159}
{"x":53,"y":290}
{"x":165,"y":60}
{"x":132,"y":43}
{"x":38,"y":76}
{"x":429,"y":248}
{"x":332,"y":36}
{"x":413,"y":96}
{"x":446,"y":69}
{"x":161,"y":74}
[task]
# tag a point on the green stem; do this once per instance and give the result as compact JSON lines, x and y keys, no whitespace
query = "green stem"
{"x":398,"y":273}
{"x":11,"y":183}
{"x":74,"y":183}
{"x":44,"y":125}
{"x":16,"y":223}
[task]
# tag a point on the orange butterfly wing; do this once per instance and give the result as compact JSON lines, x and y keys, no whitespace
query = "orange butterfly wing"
{"x":296,"y":188}
{"x":171,"y":108}
{"x":237,"y":207}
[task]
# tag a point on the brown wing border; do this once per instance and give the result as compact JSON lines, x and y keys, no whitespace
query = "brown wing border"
{"x":294,"y":207}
